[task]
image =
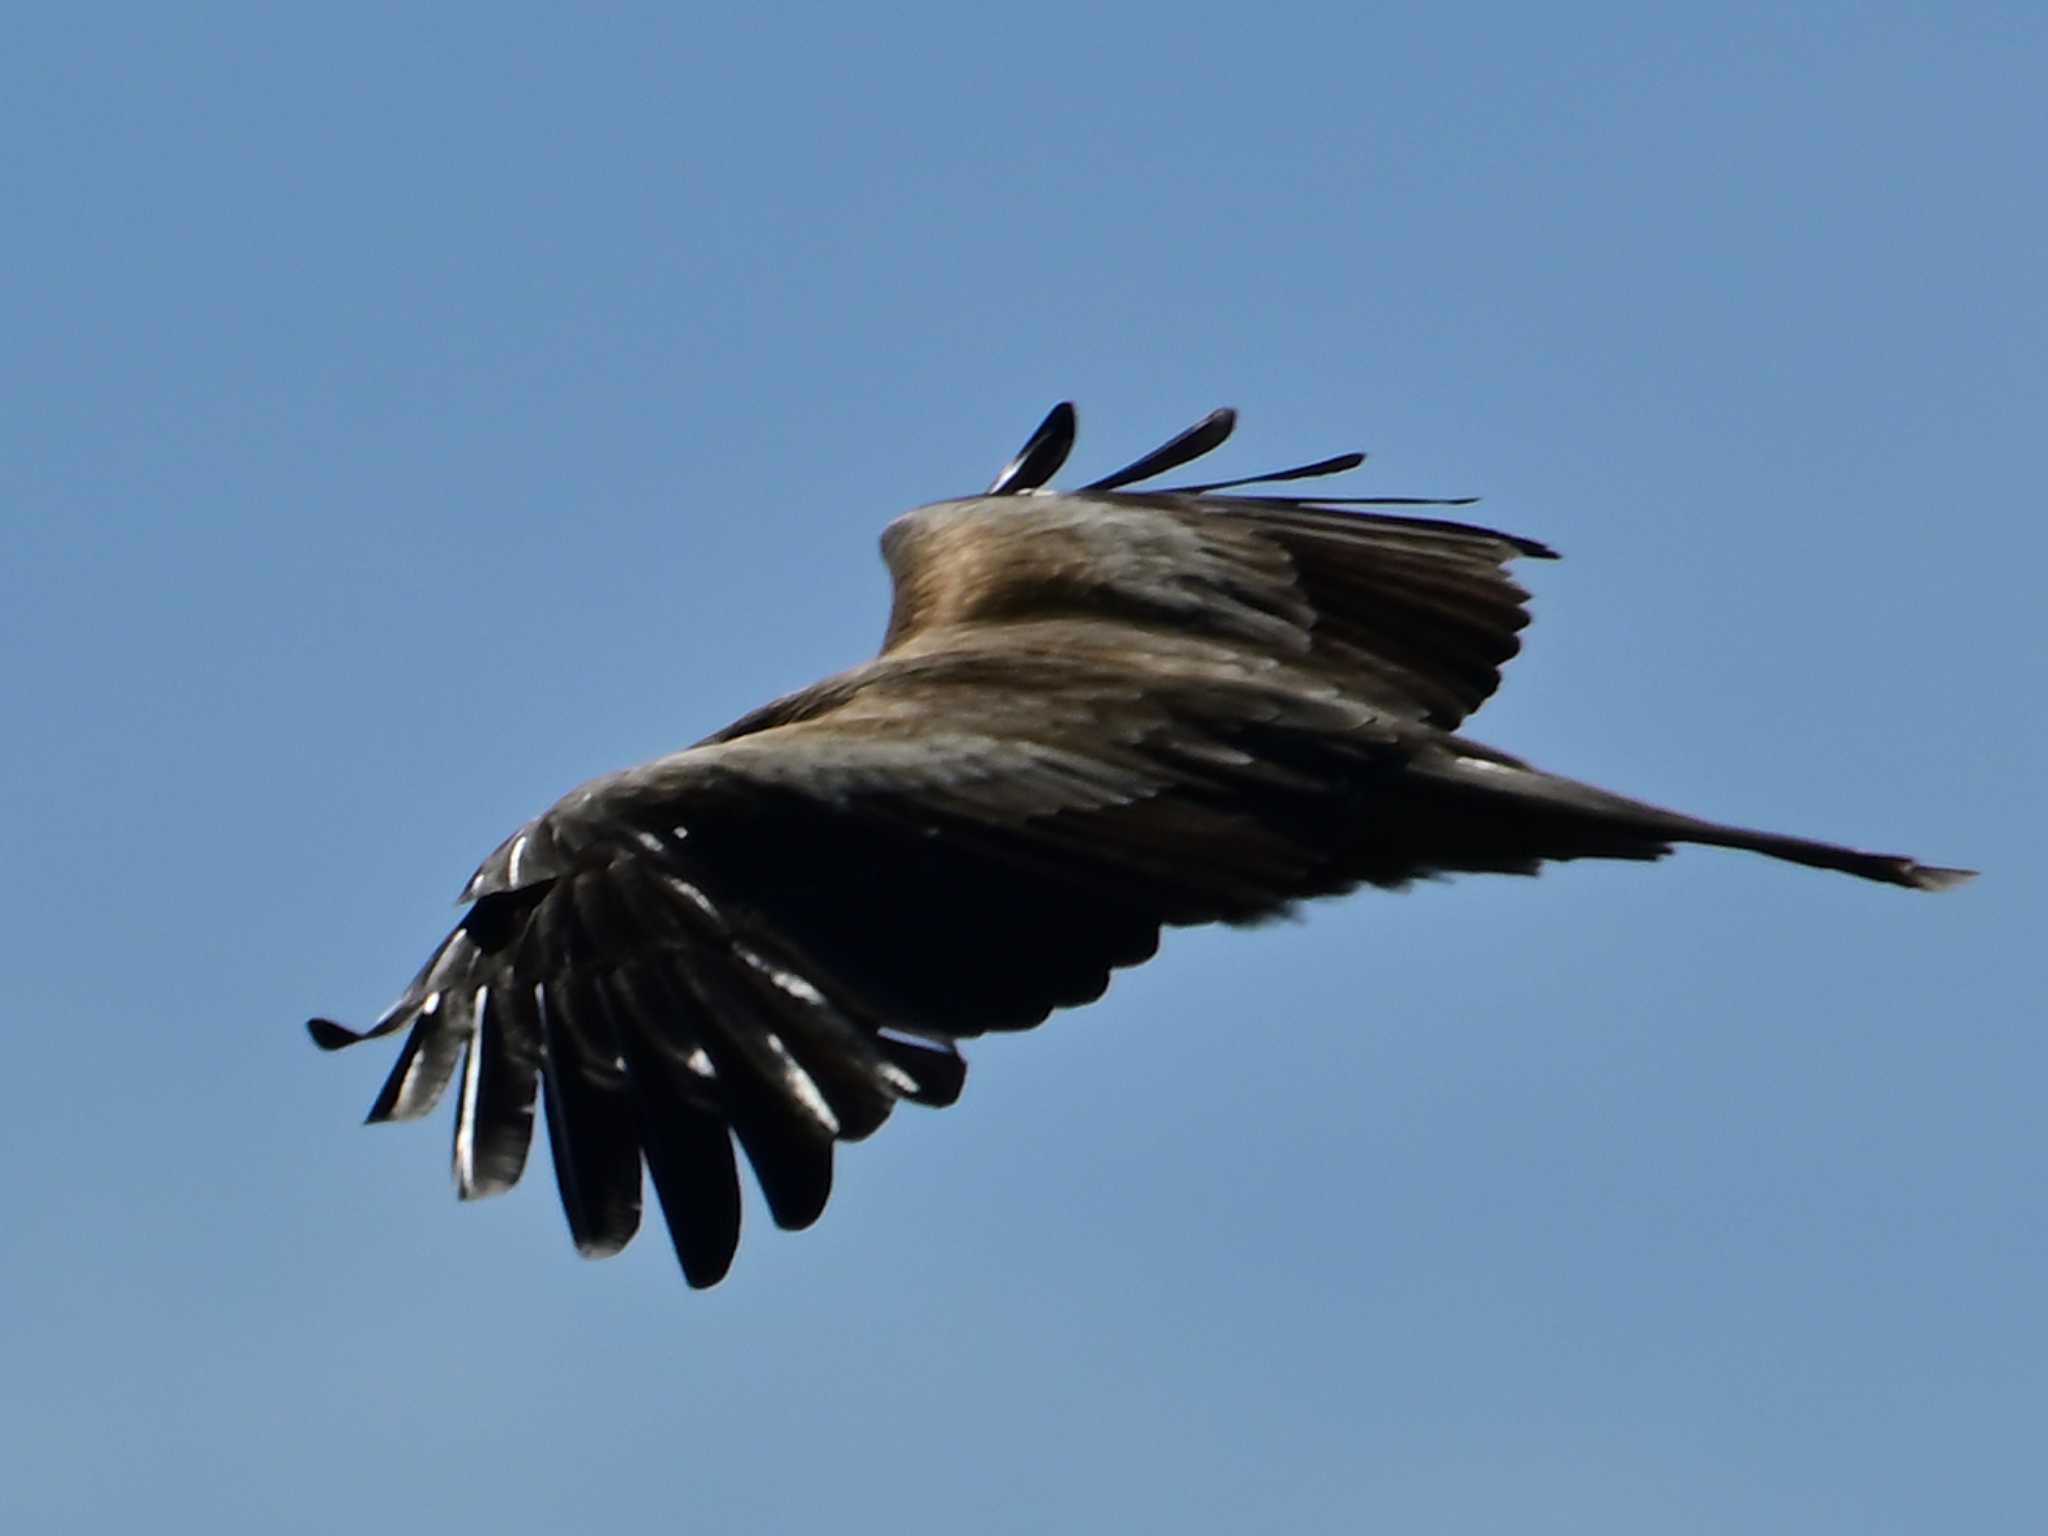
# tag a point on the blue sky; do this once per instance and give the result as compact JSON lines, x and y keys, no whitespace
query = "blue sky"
{"x":408,"y":416}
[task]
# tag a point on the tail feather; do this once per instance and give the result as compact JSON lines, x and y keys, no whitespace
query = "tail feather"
{"x":1567,"y":819}
{"x":1889,"y":868}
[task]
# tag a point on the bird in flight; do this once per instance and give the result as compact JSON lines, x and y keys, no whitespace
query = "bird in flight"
{"x":1096,"y":714}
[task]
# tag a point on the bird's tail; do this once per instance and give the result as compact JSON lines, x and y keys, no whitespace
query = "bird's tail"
{"x":1559,"y":818}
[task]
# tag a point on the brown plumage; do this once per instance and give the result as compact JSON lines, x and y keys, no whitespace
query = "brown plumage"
{"x":1094,"y":714}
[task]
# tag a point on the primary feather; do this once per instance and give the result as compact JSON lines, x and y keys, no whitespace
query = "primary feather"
{"x":1094,"y":714}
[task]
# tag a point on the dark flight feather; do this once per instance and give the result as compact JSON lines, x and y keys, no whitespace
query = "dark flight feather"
{"x":1205,"y":436}
{"x":1095,"y":715}
{"x":1041,"y":456}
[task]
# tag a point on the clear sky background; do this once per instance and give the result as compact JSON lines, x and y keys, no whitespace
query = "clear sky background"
{"x":412,"y":412}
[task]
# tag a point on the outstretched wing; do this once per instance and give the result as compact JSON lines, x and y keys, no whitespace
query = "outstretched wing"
{"x":1416,"y":614}
{"x":1075,"y":736}
{"x":779,"y":934}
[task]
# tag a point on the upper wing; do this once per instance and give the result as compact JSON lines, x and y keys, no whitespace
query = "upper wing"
{"x":1415,"y":614}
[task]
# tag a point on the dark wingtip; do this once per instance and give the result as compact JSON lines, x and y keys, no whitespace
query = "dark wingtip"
{"x":1933,"y":877}
{"x":1336,"y":464}
{"x":1042,"y":454}
{"x":330,"y":1036}
{"x":1205,"y":436}
{"x":933,"y":1075}
{"x":701,"y":1272}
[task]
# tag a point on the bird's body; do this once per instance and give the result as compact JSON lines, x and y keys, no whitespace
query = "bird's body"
{"x":1094,"y":715}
